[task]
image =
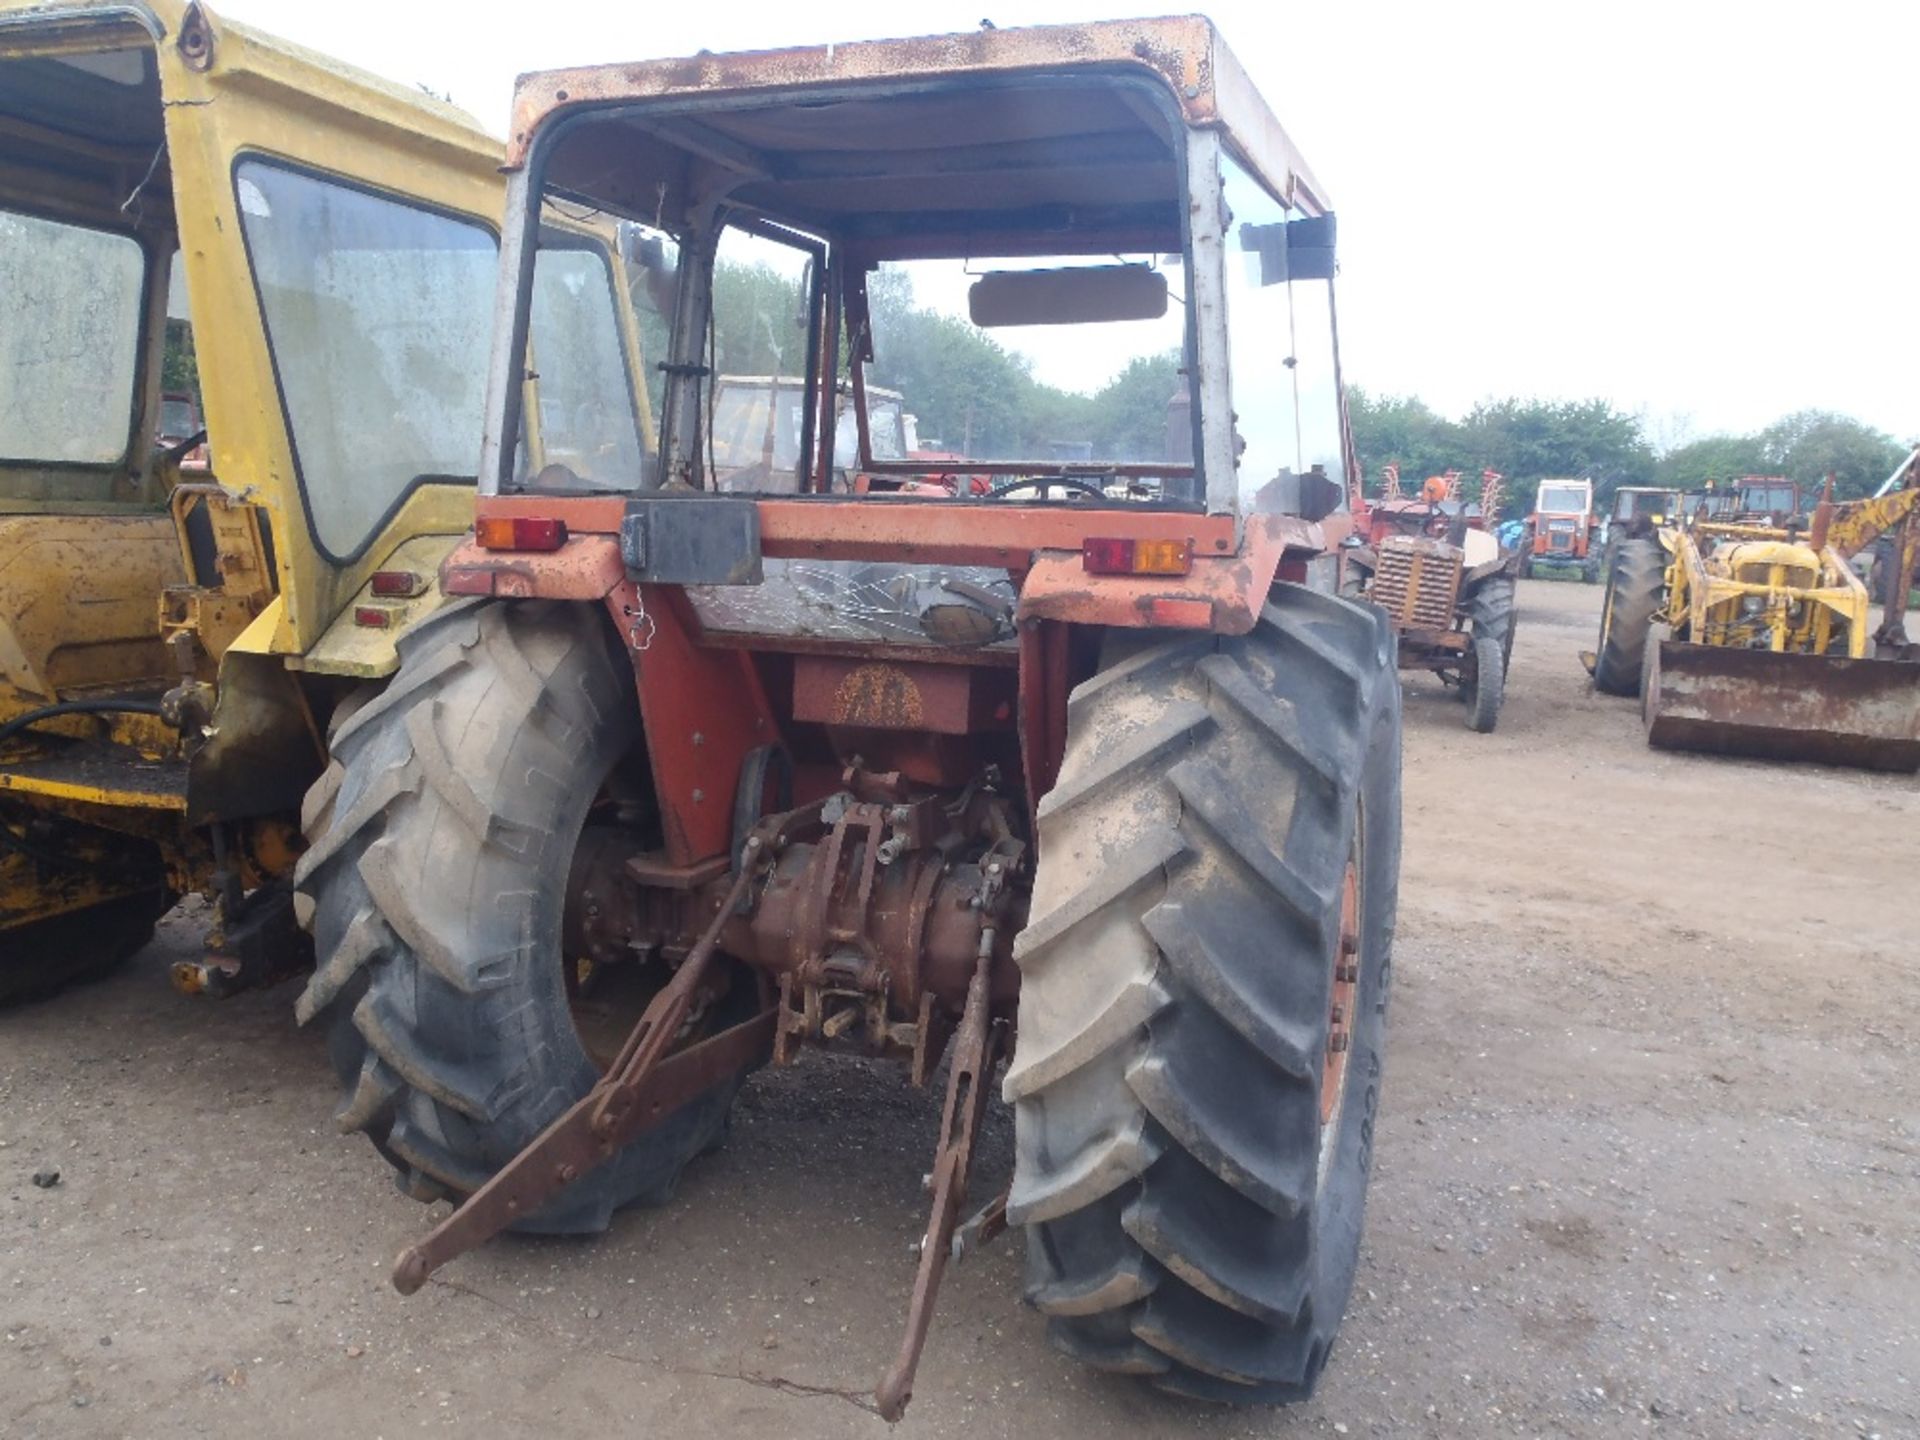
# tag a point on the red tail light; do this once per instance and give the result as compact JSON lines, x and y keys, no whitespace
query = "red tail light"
{"x":1120,"y":556}
{"x":504,"y":532}
{"x":373,"y":617}
{"x":397,"y":584}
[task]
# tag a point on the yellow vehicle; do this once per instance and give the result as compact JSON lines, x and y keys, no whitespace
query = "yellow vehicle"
{"x":177,"y":194}
{"x":1751,"y":639}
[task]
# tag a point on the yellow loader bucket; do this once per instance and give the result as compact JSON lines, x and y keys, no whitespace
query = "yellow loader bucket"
{"x":1826,"y":708}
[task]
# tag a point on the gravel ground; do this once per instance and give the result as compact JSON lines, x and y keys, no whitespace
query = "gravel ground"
{"x":1649,"y":1161}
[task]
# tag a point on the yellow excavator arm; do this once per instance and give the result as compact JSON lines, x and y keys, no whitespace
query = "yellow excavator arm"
{"x":1856,"y":524}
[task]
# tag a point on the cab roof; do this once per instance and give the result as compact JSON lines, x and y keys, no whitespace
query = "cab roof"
{"x":82,"y":28}
{"x":976,"y":133}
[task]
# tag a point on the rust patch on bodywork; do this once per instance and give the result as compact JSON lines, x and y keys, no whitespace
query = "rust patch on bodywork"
{"x":587,"y":567}
{"x":873,"y":694}
{"x":895,"y":695}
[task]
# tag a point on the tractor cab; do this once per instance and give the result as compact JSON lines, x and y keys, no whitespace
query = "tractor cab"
{"x":1637,"y":512}
{"x":757,"y":421}
{"x":1641,"y":507}
{"x":1770,"y":499}
{"x":249,"y":294}
{"x":1562,"y":536}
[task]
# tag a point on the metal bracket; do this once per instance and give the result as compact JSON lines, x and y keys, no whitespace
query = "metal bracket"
{"x":975,"y":1050}
{"x":692,"y":540}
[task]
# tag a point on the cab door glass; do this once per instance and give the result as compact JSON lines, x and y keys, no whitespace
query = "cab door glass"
{"x":181,"y":411}
{"x":589,"y":432}
{"x":1280,"y":343}
{"x":762,"y":306}
{"x":378,"y":313}
{"x":69,"y":349}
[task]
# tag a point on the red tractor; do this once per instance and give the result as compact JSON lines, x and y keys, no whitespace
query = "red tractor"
{"x":1563,"y":533}
{"x":1447,"y":589}
{"x":1095,"y":778}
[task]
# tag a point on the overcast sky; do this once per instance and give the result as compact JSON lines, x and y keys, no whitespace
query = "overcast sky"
{"x":1709,"y":213}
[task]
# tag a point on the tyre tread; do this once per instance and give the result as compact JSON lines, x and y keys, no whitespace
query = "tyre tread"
{"x":1169,"y":1233}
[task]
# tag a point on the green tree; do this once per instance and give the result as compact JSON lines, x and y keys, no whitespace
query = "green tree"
{"x":974,"y":395}
{"x":759,"y":321}
{"x":1715,"y":457}
{"x":179,"y":363}
{"x":1806,"y":446}
{"x":1528,"y":441}
{"x":1401,"y":430}
{"x":1810,"y":445}
{"x":1129,"y":414}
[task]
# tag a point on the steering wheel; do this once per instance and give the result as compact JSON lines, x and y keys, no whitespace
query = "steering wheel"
{"x":1029,"y":482}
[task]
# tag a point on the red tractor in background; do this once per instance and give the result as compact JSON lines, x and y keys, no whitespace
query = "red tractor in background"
{"x":1564,"y":532}
{"x":180,"y":432}
{"x":1447,"y":587}
{"x":1093,"y":774}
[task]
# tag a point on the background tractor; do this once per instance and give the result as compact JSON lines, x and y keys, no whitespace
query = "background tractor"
{"x":1447,"y":589}
{"x":1563,"y":534}
{"x":200,"y":225}
{"x":1746,"y":638}
{"x":1093,"y":777}
{"x":1634,"y":513}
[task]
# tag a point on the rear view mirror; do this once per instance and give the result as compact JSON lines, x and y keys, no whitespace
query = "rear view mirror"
{"x":1079,"y":295}
{"x":1292,"y":250}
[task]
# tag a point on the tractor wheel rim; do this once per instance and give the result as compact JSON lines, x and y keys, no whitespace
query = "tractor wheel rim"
{"x":1341,"y":1010}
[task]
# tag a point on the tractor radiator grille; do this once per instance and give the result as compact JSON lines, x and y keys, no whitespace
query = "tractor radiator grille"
{"x":1417,"y":581}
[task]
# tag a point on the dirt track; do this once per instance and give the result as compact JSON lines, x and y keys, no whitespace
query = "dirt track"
{"x":1650,"y":1160}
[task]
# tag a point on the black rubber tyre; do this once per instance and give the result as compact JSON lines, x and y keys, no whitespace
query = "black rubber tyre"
{"x":440,"y":841}
{"x":1188,"y":1216}
{"x":1484,"y":684}
{"x":1655,"y":634}
{"x":1636,"y":591}
{"x":46,"y":956}
{"x":1490,"y":612}
{"x":1590,"y":569}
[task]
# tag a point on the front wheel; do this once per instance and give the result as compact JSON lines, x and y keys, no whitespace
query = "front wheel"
{"x":1203,"y":999}
{"x":1490,"y":611}
{"x":443,"y":834}
{"x":1484,"y":684}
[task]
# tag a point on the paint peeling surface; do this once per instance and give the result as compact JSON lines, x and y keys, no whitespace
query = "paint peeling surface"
{"x":1186,"y":56}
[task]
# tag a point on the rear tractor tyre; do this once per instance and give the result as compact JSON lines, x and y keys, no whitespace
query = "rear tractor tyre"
{"x":441,"y":837}
{"x":1203,"y":999}
{"x":1484,"y":685}
{"x":1636,"y":590}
